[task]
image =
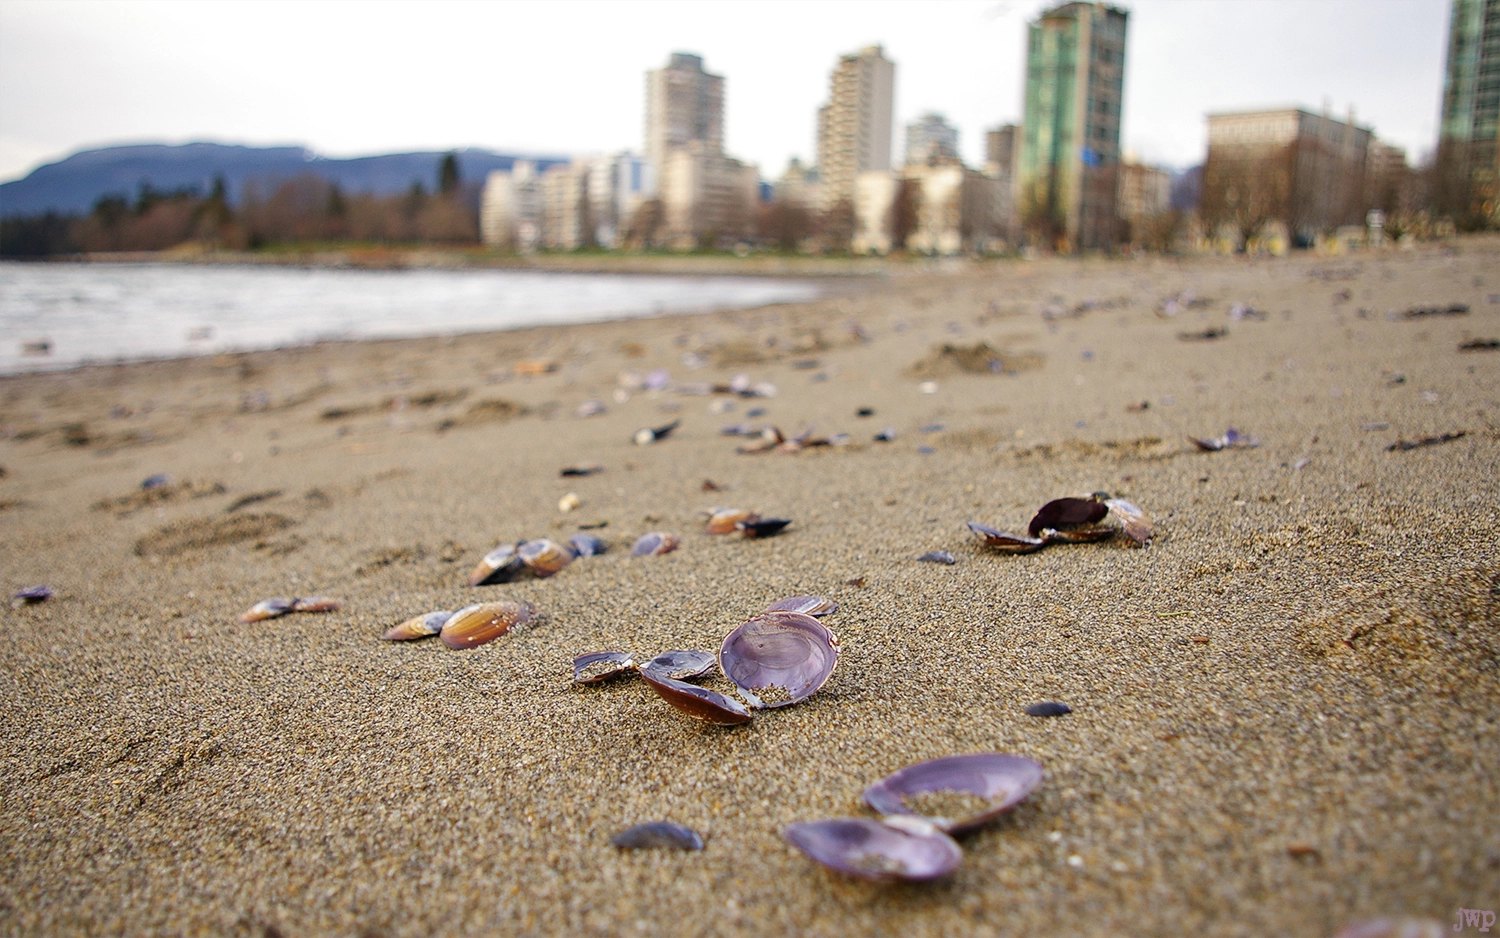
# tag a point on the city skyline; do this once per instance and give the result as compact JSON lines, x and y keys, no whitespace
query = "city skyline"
{"x":964,"y":60}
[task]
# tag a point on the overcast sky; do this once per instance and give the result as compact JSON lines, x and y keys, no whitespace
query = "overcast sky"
{"x":350,"y":79}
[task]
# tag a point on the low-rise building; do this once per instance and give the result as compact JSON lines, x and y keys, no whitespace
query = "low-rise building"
{"x":1144,"y":191}
{"x":565,"y":206}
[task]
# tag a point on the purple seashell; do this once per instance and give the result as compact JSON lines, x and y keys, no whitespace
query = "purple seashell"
{"x":657,"y":380}
{"x":680,"y":664}
{"x":898,"y":848}
{"x":1004,"y":780}
{"x":31,"y":595}
{"x":938,"y":556}
{"x":1005,"y":541}
{"x":160,"y":480}
{"x":698,"y":702}
{"x":658,"y":834}
{"x":807,"y":605}
{"x":598,"y":666}
{"x":584,"y":544}
{"x":1048,"y":708}
{"x":779,"y":658}
{"x":654,"y":543}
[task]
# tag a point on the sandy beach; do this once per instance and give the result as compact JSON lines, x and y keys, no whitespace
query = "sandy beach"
{"x":1285,"y":710}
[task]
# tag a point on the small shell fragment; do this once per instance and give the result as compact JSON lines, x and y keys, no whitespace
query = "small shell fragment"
{"x":544,"y":556}
{"x":648,"y":435}
{"x":723,"y":520}
{"x":1133,"y":521}
{"x":599,"y":666}
{"x":762,"y":527}
{"x":896,"y":848}
{"x":996,"y":781}
{"x":938,"y":556}
{"x":681,"y":664}
{"x":268,"y":609}
{"x":584,"y":544}
{"x":653,"y":544}
{"x":484,"y":622}
{"x":807,"y":605}
{"x":498,"y":566}
{"x":698,"y":702}
{"x":779,"y":658}
{"x":30,"y":596}
{"x":568,"y":502}
{"x":1005,"y":541}
{"x":416,"y":627}
{"x":316,"y":604}
{"x":657,"y":834}
{"x":1048,"y":708}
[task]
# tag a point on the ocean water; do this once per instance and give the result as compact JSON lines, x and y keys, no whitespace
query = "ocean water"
{"x":61,"y":315}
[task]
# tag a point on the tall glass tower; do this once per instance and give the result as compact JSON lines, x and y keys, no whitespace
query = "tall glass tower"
{"x":1468,"y":159}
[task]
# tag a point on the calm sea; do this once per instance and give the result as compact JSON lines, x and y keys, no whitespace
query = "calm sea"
{"x":60,"y":315}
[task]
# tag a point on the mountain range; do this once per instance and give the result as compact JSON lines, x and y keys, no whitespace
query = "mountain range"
{"x":74,"y":184}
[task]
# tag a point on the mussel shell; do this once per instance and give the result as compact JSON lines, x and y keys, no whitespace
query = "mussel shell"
{"x":497,"y":566}
{"x":762,"y":527}
{"x":1005,"y":780}
{"x":698,"y":702}
{"x":1133,"y":521}
{"x":316,"y":604}
{"x":268,"y":609}
{"x":544,"y":556}
{"x":32,"y":594}
{"x":1005,"y":541}
{"x":1080,"y":535}
{"x":584,"y":544}
{"x":807,"y":605}
{"x":422,"y":626}
{"x":1062,"y":513}
{"x":878,"y":850}
{"x":787,"y":650}
{"x":654,"y":543}
{"x":723,"y":520}
{"x":680,"y":664}
{"x":484,"y":622}
{"x":658,"y":834}
{"x":599,"y":666}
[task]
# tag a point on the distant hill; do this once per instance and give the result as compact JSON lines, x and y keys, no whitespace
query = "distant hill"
{"x":73,"y":185}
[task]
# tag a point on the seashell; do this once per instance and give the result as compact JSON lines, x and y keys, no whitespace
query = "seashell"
{"x":807,"y":605}
{"x":418,"y":627}
{"x":762,"y":527}
{"x":586,"y":545}
{"x":589,"y":409}
{"x":1005,"y":541}
{"x":698,"y":702}
{"x":598,"y":666}
{"x":654,"y":543}
{"x":1080,"y":535}
{"x":1061,"y":514}
{"x":679,"y":665}
{"x":498,"y":566}
{"x":901,"y":847}
{"x":484,"y":622}
{"x":1000,"y":780}
{"x":268,"y":609}
{"x":545,"y":557}
{"x":581,"y":469}
{"x":1231,"y":439}
{"x":779,"y":658}
{"x":658,"y":834}
{"x":1133,"y":521}
{"x":938,"y":556}
{"x":316,"y":604}
{"x":723,"y":520}
{"x":888,"y":435}
{"x":648,"y":435}
{"x":1048,"y":708}
{"x":30,"y":596}
{"x":568,"y":502}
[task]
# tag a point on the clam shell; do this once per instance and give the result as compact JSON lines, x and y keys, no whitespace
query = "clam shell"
{"x":779,"y":658}
{"x":268,"y":609}
{"x":316,"y":604}
{"x":1063,"y":513}
{"x":698,"y":702}
{"x":1082,"y":535}
{"x":1133,"y":521}
{"x":422,"y":626}
{"x":658,"y":834}
{"x":654,"y":543}
{"x":898,"y":848}
{"x":31,"y":595}
{"x":807,"y":605}
{"x":679,"y":665}
{"x":762,"y":527}
{"x":1002,"y":779}
{"x":484,"y":622}
{"x":584,"y":544}
{"x":723,"y":520}
{"x":598,"y":666}
{"x":497,"y":566}
{"x":544,"y":556}
{"x":1005,"y":541}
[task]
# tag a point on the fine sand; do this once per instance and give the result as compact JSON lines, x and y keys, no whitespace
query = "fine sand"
{"x":1284,"y":709}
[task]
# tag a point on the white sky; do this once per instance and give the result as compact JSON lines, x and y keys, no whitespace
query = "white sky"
{"x":355,"y":78}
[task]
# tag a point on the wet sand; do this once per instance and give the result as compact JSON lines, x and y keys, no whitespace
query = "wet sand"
{"x":1284,"y":709}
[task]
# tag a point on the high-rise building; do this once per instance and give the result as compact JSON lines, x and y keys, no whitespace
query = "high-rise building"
{"x":854,"y":127}
{"x":510,"y":208}
{"x":1070,"y":146}
{"x":1000,"y":151}
{"x":684,"y":104}
{"x":931,"y":140}
{"x":1468,"y":160}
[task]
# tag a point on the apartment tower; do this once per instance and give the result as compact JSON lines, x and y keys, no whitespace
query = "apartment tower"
{"x":1070,"y":142}
{"x":1468,"y":158}
{"x":684,"y":105}
{"x":854,"y":127}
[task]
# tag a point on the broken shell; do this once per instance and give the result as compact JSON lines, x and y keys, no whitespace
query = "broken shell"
{"x":268,"y":609}
{"x":699,"y":702}
{"x":484,"y":622}
{"x":679,"y":665}
{"x":1133,"y":521}
{"x":723,"y":520}
{"x":498,"y":566}
{"x":30,"y":596}
{"x":316,"y":604}
{"x":897,"y":848}
{"x":1063,"y":514}
{"x":807,"y":605}
{"x":586,"y":545}
{"x":1079,"y":535}
{"x":418,"y":627}
{"x":1005,"y":541}
{"x":779,"y":658}
{"x":654,"y":543}
{"x":568,"y":502}
{"x":545,"y":557}
{"x":1000,"y":779}
{"x":658,"y":834}
{"x":763,"y":527}
{"x":597,"y":666}
{"x":1047,"y":708}
{"x":938,"y":556}
{"x":648,"y":435}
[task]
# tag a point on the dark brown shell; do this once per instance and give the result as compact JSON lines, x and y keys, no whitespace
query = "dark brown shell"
{"x":1063,"y":513}
{"x":698,"y":702}
{"x":1006,"y":542}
